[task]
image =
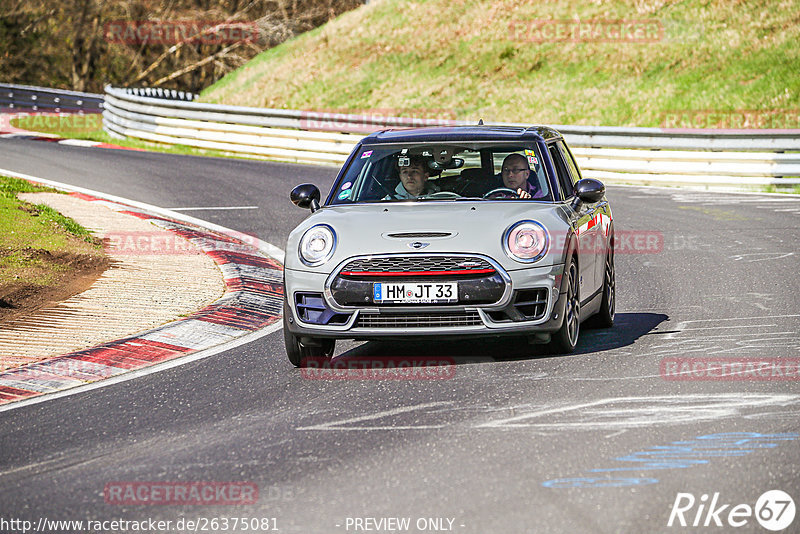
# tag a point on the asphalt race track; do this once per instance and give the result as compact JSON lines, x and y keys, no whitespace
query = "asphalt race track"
{"x":515,"y":441}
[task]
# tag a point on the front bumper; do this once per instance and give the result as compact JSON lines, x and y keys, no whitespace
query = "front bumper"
{"x":502,"y":318}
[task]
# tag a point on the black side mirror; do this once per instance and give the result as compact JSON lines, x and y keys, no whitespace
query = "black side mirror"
{"x":306,"y":196}
{"x":590,"y":190}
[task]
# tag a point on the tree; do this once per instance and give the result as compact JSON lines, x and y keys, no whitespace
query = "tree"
{"x":70,"y":44}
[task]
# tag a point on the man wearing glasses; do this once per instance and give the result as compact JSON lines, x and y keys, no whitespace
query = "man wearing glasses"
{"x":515,"y":172}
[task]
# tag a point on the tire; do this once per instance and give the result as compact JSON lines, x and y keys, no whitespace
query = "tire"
{"x":566,"y":338}
{"x":605,"y":317}
{"x":321,"y":349}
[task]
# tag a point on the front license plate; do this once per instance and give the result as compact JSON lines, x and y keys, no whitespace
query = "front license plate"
{"x":415,"y":293}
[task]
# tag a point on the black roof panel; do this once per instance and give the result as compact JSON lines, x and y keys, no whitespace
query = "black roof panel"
{"x":462,"y":133}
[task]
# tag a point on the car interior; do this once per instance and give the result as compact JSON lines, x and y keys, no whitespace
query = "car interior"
{"x":463,"y":172}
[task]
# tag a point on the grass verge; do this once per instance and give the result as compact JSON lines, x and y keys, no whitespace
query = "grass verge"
{"x":555,"y":62}
{"x":790,"y":189}
{"x":90,"y":128}
{"x":42,"y":252}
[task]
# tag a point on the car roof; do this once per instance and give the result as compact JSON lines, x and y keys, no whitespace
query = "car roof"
{"x":462,"y":133}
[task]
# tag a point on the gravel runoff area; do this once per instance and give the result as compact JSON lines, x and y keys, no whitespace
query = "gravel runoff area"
{"x":155,"y":277}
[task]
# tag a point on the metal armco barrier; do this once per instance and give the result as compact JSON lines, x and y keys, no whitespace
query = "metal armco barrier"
{"x":655,"y":156}
{"x":29,"y":98}
{"x":158,"y":92}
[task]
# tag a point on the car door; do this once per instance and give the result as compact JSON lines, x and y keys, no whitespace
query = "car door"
{"x":601,"y":216}
{"x":583,"y":220}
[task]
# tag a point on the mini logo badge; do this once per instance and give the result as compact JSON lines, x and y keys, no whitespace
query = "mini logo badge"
{"x":418,"y":245}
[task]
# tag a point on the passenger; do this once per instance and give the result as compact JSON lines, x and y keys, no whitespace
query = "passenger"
{"x":514,"y":174}
{"x":414,"y":176}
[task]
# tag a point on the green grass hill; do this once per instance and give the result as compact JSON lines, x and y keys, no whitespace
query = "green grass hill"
{"x":626,"y":63}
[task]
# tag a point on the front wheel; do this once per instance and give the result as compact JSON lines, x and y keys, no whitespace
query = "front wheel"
{"x":566,"y":338}
{"x":299,"y":354}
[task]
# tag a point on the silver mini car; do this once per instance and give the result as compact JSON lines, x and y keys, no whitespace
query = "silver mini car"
{"x":456,"y":231}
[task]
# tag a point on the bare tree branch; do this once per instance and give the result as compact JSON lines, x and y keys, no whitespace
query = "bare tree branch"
{"x":176,"y":47}
{"x":197,"y":65}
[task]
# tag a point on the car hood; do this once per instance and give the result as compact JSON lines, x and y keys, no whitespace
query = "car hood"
{"x":474,"y":227}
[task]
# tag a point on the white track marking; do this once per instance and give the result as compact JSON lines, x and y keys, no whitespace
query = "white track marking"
{"x":79,"y":142}
{"x":684,"y":325}
{"x":617,"y":414}
{"x":767,"y":256}
{"x":734,"y":336}
{"x":214,"y":208}
{"x":638,"y":412}
{"x":735,"y":319}
{"x":724,"y":327}
{"x":338,"y":425}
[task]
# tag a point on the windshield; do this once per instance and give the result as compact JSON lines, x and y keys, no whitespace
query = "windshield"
{"x":392,"y":173}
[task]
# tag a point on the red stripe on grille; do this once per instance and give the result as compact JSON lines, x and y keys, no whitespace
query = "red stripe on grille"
{"x":416,"y":273}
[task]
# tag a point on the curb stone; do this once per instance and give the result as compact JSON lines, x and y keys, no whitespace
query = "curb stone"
{"x":253,"y":300}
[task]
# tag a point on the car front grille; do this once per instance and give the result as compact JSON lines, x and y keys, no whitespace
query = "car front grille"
{"x":418,"y":263}
{"x":419,"y":320}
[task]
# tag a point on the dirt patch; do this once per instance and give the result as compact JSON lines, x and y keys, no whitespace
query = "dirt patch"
{"x":74,"y":273}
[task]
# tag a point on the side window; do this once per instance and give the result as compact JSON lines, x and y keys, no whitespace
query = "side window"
{"x":564,"y":178}
{"x":573,"y":168}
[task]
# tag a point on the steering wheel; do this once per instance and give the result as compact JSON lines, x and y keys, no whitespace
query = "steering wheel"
{"x":501,"y":192}
{"x":443,"y":195}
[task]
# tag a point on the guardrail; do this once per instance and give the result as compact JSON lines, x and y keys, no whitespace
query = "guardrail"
{"x":27,"y":97}
{"x":616,"y":155}
{"x":158,"y":92}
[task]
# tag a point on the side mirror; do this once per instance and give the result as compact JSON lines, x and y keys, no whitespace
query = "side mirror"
{"x":306,"y":196}
{"x":590,"y":190}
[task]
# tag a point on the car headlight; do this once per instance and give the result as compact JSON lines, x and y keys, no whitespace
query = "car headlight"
{"x":317,"y":245}
{"x":526,"y":241}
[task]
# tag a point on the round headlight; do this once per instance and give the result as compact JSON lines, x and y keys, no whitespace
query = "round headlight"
{"x":526,"y":241}
{"x":317,"y":244}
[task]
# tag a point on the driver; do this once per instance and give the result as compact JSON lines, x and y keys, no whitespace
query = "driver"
{"x":514,"y":174}
{"x":414,"y":176}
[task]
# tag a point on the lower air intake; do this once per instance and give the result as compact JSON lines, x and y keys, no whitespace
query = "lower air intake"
{"x":418,"y":320}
